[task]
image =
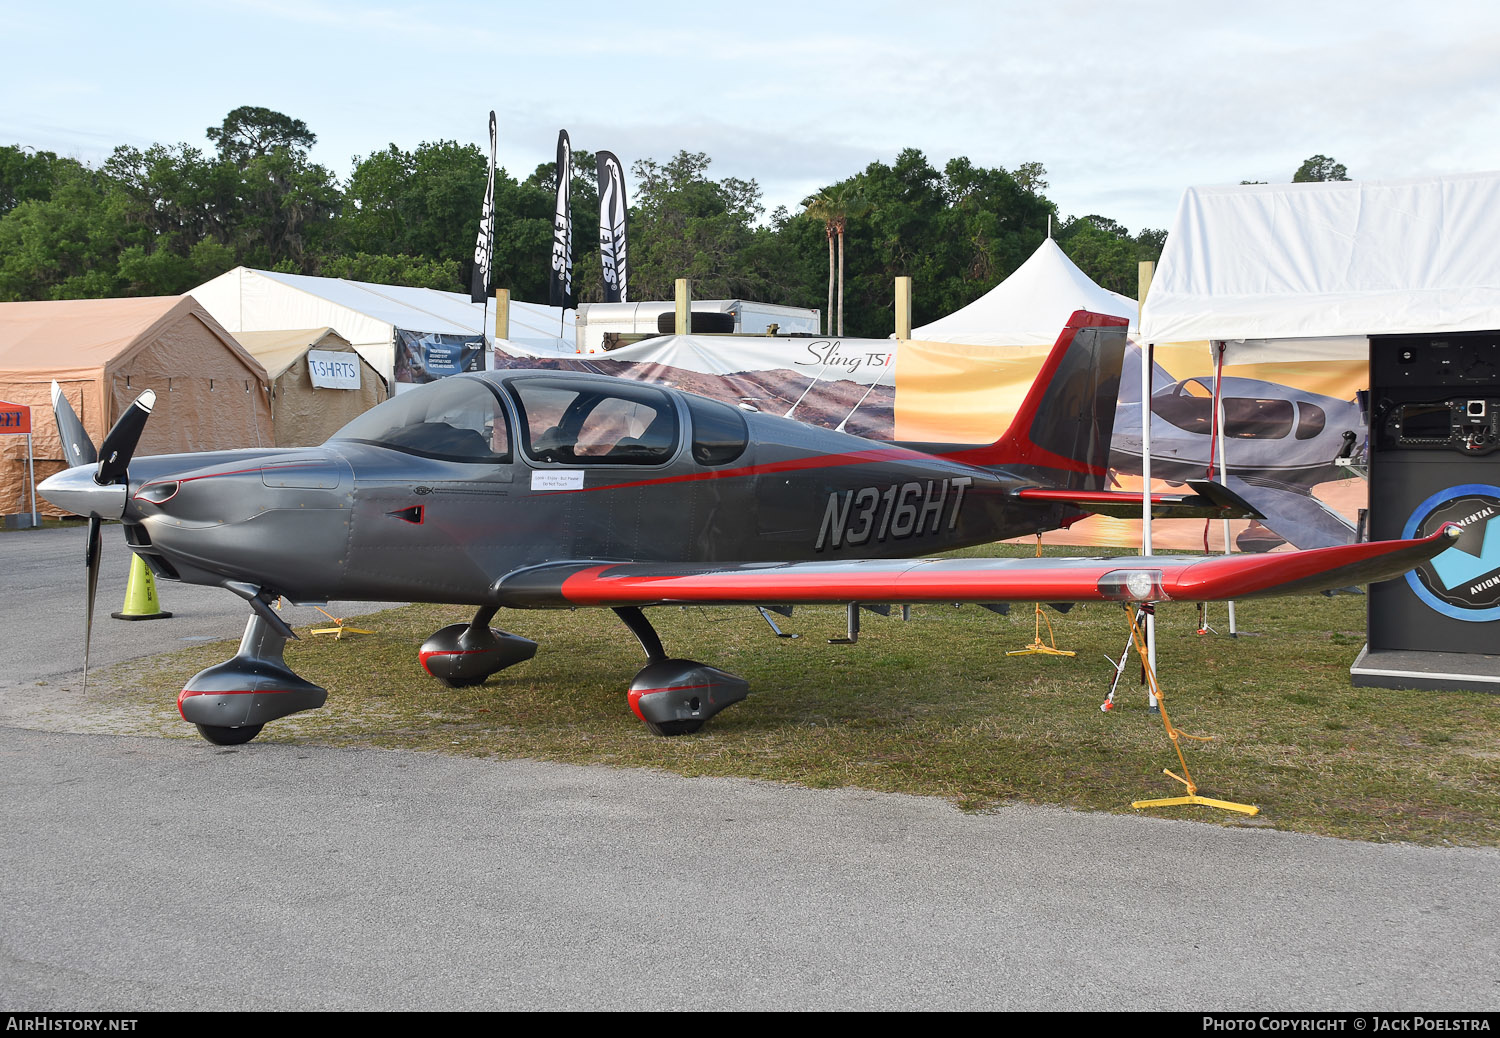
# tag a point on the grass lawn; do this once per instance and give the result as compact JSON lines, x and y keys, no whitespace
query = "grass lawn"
{"x":934,"y":707}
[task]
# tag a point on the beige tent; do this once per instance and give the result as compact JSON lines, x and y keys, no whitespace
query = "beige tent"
{"x":211,"y":394}
{"x":304,"y":414}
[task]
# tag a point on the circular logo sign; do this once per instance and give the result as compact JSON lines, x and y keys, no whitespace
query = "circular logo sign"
{"x":1464,"y":581}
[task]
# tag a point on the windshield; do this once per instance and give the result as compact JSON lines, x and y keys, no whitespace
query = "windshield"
{"x":453,"y":419}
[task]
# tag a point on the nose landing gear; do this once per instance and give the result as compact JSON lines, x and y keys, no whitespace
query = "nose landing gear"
{"x":231,"y":701}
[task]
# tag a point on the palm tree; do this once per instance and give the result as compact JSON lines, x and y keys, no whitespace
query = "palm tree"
{"x":835,"y":206}
{"x":819,"y":207}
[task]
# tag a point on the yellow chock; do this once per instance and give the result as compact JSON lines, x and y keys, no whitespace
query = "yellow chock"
{"x":339,"y":629}
{"x":1037,"y":648}
{"x":141,"y":602}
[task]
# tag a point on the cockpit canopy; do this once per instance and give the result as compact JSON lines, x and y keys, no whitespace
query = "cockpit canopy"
{"x":455,"y":419}
{"x":578,"y":421}
{"x":560,"y":421}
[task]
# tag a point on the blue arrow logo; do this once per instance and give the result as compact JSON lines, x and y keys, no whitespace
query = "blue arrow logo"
{"x":1456,"y":566}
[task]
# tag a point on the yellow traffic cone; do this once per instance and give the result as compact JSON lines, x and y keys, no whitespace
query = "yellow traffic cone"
{"x":140,"y":594}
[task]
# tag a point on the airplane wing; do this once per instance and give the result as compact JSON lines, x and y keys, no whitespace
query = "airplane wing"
{"x":1158,"y":578}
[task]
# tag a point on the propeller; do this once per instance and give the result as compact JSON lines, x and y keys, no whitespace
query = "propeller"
{"x":113,"y":468}
{"x":77,"y":446}
{"x":119,"y":445}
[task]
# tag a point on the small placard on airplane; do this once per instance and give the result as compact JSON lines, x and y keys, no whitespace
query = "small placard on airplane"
{"x":332,"y":370}
{"x":564,"y":479}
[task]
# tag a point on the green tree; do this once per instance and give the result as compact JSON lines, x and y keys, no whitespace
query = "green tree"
{"x":686,"y":225}
{"x":1319,"y":167}
{"x":413,"y":271}
{"x":820,"y":209}
{"x":1106,"y":252}
{"x":249,"y":133}
{"x":835,"y":206}
{"x":188,"y":208}
{"x":286,"y":207}
{"x":1103,"y":250}
{"x":66,"y":246}
{"x":27,"y":174}
{"x":1031,"y":177}
{"x":416,"y":203}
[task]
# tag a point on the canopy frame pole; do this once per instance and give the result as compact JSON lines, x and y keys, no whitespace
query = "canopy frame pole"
{"x":1220,"y":347}
{"x":1148,"y":364}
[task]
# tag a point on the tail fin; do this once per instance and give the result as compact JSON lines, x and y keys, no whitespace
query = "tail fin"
{"x":1061,"y":434}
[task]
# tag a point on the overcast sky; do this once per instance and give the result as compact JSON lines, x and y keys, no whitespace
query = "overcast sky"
{"x":1125,"y":104}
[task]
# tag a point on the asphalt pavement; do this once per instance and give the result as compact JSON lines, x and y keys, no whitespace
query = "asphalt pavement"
{"x":145,"y":873}
{"x":43,"y":588}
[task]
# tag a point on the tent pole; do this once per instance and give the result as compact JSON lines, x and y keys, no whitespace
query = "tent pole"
{"x":1148,"y":363}
{"x":1223,"y":466}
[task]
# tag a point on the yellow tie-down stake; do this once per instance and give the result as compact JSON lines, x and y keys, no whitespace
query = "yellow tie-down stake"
{"x":1176,"y":735}
{"x":339,"y":629}
{"x":1036,"y":648}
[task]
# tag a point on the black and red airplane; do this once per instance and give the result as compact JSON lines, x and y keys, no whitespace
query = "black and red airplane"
{"x":548,"y":490}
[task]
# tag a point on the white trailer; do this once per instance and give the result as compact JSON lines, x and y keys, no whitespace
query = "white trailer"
{"x":750,"y":318}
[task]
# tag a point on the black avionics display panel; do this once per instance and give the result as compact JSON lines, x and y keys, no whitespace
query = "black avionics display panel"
{"x":1435,"y":458}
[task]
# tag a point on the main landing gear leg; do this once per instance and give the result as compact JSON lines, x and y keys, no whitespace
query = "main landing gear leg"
{"x":232,"y":701}
{"x":675,"y":697}
{"x":461,"y":655}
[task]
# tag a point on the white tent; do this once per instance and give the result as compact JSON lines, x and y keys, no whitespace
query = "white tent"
{"x":1030,"y":307}
{"x":368,"y":315}
{"x":1277,"y":261}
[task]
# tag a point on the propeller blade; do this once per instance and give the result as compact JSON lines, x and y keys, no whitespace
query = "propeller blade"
{"x":116,"y":450}
{"x":77,"y":446}
{"x":91,"y":560}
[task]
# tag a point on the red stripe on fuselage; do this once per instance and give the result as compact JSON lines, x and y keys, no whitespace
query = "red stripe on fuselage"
{"x":216,"y":475}
{"x":816,"y":461}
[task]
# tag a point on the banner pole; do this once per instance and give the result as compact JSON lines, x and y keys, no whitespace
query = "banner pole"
{"x":31,"y":471}
{"x":1148,"y":362}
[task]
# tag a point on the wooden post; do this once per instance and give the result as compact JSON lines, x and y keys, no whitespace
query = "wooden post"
{"x":684,"y":306}
{"x":903,"y":308}
{"x":502,"y":313}
{"x":1144,"y":272}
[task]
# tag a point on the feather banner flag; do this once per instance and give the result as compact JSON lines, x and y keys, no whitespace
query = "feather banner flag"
{"x":561,"y":280}
{"x":484,"y":247}
{"x":612,"y":227}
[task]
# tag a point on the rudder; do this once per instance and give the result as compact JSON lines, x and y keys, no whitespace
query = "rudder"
{"x":1062,"y":430}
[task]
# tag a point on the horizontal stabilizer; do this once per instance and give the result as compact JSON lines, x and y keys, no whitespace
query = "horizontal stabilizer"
{"x":1209,"y":500}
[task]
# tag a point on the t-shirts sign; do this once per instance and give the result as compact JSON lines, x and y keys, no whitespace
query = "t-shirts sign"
{"x":331,"y":370}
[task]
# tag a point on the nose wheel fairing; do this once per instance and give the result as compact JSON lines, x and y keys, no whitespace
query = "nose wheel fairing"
{"x":245,"y":692}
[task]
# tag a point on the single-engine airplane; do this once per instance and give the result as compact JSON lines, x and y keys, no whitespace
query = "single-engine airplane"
{"x":546,"y":490}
